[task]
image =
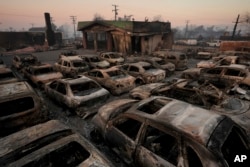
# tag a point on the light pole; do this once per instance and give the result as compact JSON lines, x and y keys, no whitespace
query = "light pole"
{"x":74,"y":22}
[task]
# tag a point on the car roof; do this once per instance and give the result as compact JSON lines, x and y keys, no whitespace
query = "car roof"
{"x":80,"y":79}
{"x":14,"y":88}
{"x":105,"y":70}
{"x":186,"y":118}
{"x":239,"y":66}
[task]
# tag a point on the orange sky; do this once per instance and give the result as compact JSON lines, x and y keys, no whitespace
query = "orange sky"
{"x":22,"y":14}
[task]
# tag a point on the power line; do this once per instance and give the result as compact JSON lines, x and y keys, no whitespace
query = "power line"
{"x":74,"y":22}
{"x":115,"y":10}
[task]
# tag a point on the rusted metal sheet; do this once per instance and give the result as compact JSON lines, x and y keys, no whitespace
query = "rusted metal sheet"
{"x":233,"y":45}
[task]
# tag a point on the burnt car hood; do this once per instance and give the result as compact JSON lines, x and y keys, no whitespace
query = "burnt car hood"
{"x":155,"y":71}
{"x":91,"y":95}
{"x":206,"y":64}
{"x":48,"y":77}
{"x":102,"y":64}
{"x":144,"y":91}
{"x":123,"y":79}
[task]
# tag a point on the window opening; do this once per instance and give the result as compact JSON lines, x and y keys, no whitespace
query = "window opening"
{"x":193,"y":159}
{"x":162,"y":144}
{"x":129,"y":127}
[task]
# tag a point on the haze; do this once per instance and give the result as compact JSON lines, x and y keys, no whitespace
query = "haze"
{"x":23,"y":14}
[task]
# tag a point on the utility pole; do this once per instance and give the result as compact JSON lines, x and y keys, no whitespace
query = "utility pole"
{"x":235,"y":26}
{"x":115,"y":10}
{"x":187,"y":21}
{"x":74,"y":22}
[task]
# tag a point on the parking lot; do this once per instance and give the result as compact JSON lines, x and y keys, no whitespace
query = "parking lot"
{"x":82,"y":125}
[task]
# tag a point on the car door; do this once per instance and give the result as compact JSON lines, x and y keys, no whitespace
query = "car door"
{"x":231,"y":76}
{"x":61,"y":93}
{"x":134,"y":71}
{"x":122,"y":135}
{"x":57,"y":91}
{"x":158,"y":148}
{"x":212,"y":75}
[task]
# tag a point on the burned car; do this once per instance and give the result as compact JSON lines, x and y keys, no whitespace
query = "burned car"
{"x":226,"y":76}
{"x":50,"y":144}
{"x":160,"y":63}
{"x":41,"y":74}
{"x":113,"y":79}
{"x":71,"y":66}
{"x":203,"y":55}
{"x":144,"y":72}
{"x":94,"y":61}
{"x":23,"y":60}
{"x":227,"y":60}
{"x":77,"y":93}
{"x":204,"y":95}
{"x":191,"y":73}
{"x":7,"y":75}
{"x":20,"y":106}
{"x":114,"y":58}
{"x":160,"y":131}
{"x":179,"y":59}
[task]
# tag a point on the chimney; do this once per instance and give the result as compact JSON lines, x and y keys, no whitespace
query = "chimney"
{"x":49,"y":32}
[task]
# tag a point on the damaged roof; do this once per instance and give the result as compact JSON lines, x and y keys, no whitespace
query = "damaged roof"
{"x":130,"y":26}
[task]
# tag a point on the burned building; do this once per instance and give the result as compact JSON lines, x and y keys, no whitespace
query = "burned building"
{"x":126,"y":36}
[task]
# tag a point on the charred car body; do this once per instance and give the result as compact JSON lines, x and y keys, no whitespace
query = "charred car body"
{"x":204,"y":95}
{"x":226,"y":76}
{"x":41,"y":74}
{"x":77,"y":93}
{"x":20,"y":107}
{"x":179,"y":59}
{"x":167,"y":132}
{"x":23,"y":60}
{"x":144,"y":72}
{"x":94,"y":61}
{"x":114,"y":58}
{"x":7,"y":75}
{"x":227,"y":60}
{"x":71,"y":66}
{"x":113,"y":79}
{"x":50,"y":144}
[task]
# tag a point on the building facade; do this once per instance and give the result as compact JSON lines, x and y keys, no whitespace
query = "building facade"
{"x":126,"y":36}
